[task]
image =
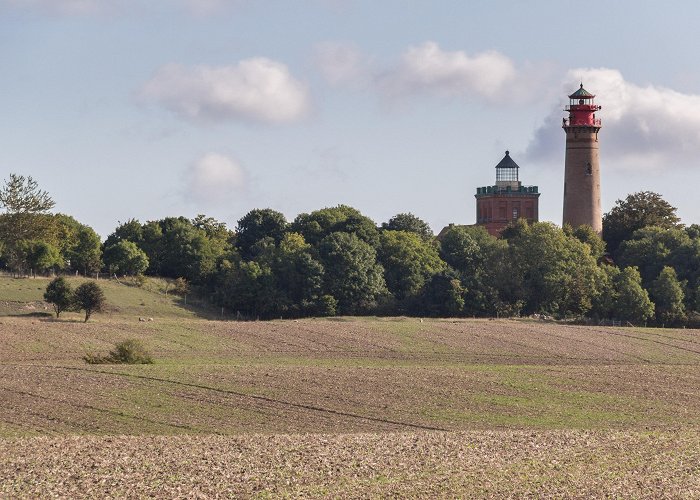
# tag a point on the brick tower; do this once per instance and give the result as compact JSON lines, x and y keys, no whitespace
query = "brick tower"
{"x":507,"y":200}
{"x":582,"y":163}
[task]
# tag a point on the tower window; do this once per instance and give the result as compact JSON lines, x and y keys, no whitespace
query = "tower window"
{"x":589,"y":169}
{"x":506,"y":174}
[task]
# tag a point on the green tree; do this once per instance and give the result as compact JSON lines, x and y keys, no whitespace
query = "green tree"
{"x":124,"y":257}
{"x":693,"y":231}
{"x":443,"y":295}
{"x":86,"y":254}
{"x":549,"y":271}
{"x":352,"y":274}
{"x":256,"y":225}
{"x":298,"y":276}
{"x":59,"y":294}
{"x":633,"y":303}
{"x":186,"y":250}
{"x":25,"y":218}
{"x":247,"y":287}
{"x":176,"y":246}
{"x":41,"y":257}
{"x":651,"y":248}
{"x":410,"y":223}
{"x":318,"y":224}
{"x":214,"y":229}
{"x":408,"y":262}
{"x":64,"y":234}
{"x":604,"y":303}
{"x":637,"y":211}
{"x":478,"y":259}
{"x":131,"y":230}
{"x":586,"y":234}
{"x":90,"y":298}
{"x":667,"y":293}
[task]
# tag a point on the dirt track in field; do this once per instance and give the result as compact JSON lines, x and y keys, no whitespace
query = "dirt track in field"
{"x":498,"y":464}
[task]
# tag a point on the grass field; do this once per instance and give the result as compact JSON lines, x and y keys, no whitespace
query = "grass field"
{"x":341,"y":406}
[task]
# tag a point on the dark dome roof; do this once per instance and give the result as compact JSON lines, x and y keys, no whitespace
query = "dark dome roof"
{"x":507,"y":162}
{"x":581,"y":93}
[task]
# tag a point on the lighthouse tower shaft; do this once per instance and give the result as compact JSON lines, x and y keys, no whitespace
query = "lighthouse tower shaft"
{"x":582,"y":163}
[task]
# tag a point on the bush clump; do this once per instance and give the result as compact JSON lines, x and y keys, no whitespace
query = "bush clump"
{"x":129,"y":352}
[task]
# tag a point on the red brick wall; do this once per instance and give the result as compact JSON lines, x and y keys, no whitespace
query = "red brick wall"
{"x":495,"y":212}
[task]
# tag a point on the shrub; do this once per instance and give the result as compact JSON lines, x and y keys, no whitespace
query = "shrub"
{"x":130,"y":352}
{"x":326,"y":305}
{"x":180,"y":287}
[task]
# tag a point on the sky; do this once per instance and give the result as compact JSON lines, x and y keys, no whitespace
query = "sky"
{"x":145,"y":109}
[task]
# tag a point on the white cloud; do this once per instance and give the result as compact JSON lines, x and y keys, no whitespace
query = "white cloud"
{"x":644,"y":127}
{"x":342,"y":64}
{"x":428,"y":68}
{"x":255,"y":89}
{"x":213,"y":179}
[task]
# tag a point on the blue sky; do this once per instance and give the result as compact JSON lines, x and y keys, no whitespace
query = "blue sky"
{"x":147,"y":109}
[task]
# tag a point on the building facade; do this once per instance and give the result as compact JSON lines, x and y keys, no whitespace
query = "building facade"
{"x":582,"y":162}
{"x":507,"y":200}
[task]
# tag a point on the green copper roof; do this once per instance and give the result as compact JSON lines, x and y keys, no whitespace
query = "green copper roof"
{"x":507,"y":162}
{"x":581,"y":94}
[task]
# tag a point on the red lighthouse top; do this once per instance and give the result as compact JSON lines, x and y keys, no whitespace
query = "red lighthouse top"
{"x":581,"y":110}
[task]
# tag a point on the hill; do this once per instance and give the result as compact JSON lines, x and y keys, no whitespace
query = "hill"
{"x":23,"y":296}
{"x":342,"y":406}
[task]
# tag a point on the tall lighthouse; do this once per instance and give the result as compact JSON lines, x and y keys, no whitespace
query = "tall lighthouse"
{"x":582,"y":163}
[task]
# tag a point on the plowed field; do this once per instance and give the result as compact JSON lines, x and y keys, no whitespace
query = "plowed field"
{"x":349,"y":407}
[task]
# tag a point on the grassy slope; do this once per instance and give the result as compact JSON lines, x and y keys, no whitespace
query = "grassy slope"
{"x":21,"y":296}
{"x":350,"y":375}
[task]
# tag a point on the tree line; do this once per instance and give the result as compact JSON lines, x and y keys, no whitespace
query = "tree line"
{"x":337,"y":261}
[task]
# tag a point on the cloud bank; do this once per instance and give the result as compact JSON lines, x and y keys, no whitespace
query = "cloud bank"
{"x":428,"y":68}
{"x":644,"y":127}
{"x":422,"y":69}
{"x":258,"y":90}
{"x":213,"y":179}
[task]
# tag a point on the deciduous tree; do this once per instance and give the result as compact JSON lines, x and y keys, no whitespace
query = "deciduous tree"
{"x":637,"y":211}
{"x":633,"y":303}
{"x":318,"y":224}
{"x":124,"y":257}
{"x":256,"y":225}
{"x":90,"y":298}
{"x":667,"y":293}
{"x":410,"y":223}
{"x":408,"y":261}
{"x":352,"y":274}
{"x":25,"y":218}
{"x":60,"y":295}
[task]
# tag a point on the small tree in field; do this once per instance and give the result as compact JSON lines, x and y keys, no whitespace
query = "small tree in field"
{"x":89,"y":296}
{"x":59,"y":294}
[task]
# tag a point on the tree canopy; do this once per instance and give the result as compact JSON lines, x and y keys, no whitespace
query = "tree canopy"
{"x":336,"y":260}
{"x":409,"y":223}
{"x":636,"y":211}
